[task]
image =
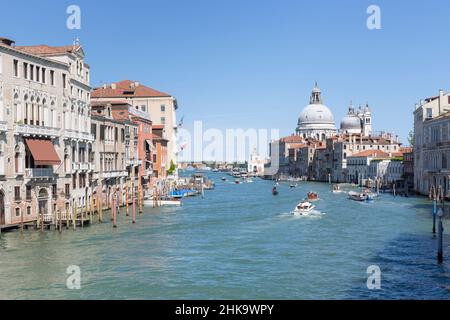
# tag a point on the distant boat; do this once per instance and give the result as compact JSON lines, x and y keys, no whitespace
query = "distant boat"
{"x":224,"y":179}
{"x":303,"y":208}
{"x":275,"y":191}
{"x":237,"y":181}
{"x":215,"y":170}
{"x":294,"y":186}
{"x":337,"y":189}
{"x":313,"y":196}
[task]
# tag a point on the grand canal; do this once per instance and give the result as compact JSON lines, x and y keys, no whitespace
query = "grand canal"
{"x":239,"y":242}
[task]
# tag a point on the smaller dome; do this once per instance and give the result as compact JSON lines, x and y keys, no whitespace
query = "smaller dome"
{"x":350,"y":122}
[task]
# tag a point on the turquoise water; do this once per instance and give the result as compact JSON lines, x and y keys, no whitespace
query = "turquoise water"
{"x":239,"y":242}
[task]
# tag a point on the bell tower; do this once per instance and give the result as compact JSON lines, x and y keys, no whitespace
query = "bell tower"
{"x":367,"y":121}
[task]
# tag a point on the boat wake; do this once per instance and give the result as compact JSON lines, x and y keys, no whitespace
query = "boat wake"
{"x":314,"y":214}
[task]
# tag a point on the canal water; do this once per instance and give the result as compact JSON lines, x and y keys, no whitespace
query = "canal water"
{"x":238,"y":242}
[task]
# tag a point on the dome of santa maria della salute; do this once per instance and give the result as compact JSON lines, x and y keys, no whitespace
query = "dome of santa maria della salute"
{"x":316,"y":120}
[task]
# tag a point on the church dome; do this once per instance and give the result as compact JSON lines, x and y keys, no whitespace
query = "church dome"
{"x":316,"y":115}
{"x":351,"y":123}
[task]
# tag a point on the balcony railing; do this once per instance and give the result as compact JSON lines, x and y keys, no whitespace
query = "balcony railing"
{"x":81,"y":166}
{"x":73,"y":134}
{"x":3,"y":126}
{"x":114,"y":174}
{"x":133,"y":162}
{"x":30,"y":130}
{"x":39,"y":173}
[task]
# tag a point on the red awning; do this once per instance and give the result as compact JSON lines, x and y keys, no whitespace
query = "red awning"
{"x":43,"y":152}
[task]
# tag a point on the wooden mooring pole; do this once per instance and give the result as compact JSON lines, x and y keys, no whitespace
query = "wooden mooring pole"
{"x":434,"y":195}
{"x":114,"y":211}
{"x":134,"y":207}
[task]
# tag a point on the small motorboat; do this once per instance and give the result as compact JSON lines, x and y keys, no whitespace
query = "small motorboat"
{"x":292,"y":186}
{"x":248,"y":180}
{"x":357,"y":196}
{"x":163,"y":202}
{"x":237,"y":181}
{"x":275,"y":191}
{"x":313,"y":196}
{"x":224,"y":179}
{"x":337,"y":189}
{"x":304,"y":208}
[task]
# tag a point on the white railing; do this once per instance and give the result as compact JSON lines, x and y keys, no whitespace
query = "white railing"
{"x":31,"y":130}
{"x":73,"y":134}
{"x":3,"y":126}
{"x":39,"y":173}
{"x":83,"y":166}
{"x":115,"y":174}
{"x":134,"y":162}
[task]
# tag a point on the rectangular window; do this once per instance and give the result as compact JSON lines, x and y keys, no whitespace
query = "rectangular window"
{"x":94,"y":130}
{"x":55,"y":191}
{"x":31,"y":72}
{"x":64,"y":78}
{"x":144,"y":108}
{"x":116,"y":134}
{"x":102,"y":132}
{"x":74,"y":181}
{"x":28,"y":211}
{"x":17,"y":193}
{"x":28,"y":195}
{"x":429,"y":113}
{"x":163,"y":120}
{"x":38,"y":74}
{"x":67,"y":190}
{"x":163,"y":108}
{"x":25,"y":70}
{"x":16,"y":68}
{"x":43,"y":75}
{"x":52,"y":77}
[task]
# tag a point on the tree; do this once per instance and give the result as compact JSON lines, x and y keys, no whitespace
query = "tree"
{"x":172,"y":168}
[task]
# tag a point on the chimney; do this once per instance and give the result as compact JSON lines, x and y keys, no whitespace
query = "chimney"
{"x":7,"y":42}
{"x":113,"y":86}
{"x":104,"y":86}
{"x":136,"y":83}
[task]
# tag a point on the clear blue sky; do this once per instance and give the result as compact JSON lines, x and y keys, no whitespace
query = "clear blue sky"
{"x":252,"y":64}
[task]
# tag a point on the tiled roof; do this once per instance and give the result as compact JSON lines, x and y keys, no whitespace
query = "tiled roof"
{"x":127,"y":88}
{"x":371,"y":153}
{"x":292,"y":139}
{"x":44,"y":50}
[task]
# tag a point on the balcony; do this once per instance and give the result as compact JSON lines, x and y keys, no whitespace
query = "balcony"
{"x":39,"y":173}
{"x":133,"y":162}
{"x":38,"y":131}
{"x":78,"y":135}
{"x":82,"y":166}
{"x":114,"y":174}
{"x":3,"y":126}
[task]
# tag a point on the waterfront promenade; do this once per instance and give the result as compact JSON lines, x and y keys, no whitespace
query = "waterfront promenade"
{"x":239,"y":242}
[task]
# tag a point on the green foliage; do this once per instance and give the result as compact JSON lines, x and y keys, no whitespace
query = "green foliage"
{"x":172,"y":168}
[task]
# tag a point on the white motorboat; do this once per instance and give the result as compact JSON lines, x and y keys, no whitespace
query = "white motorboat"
{"x":169,"y":202}
{"x":356,"y":196}
{"x":304,"y":208}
